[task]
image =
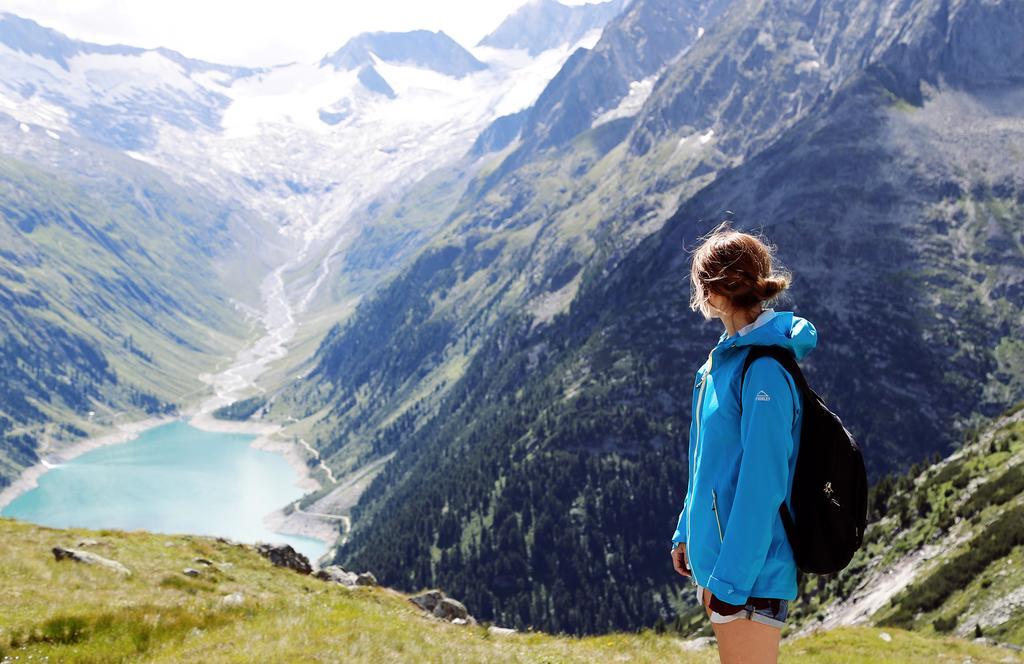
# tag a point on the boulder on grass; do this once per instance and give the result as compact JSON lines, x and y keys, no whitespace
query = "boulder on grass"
{"x":451,"y":609}
{"x":283,"y":555}
{"x":366,"y":579}
{"x":337,"y":574}
{"x":427,"y":600}
{"x":87,"y":558}
{"x":437,"y":604}
{"x":234,"y":599}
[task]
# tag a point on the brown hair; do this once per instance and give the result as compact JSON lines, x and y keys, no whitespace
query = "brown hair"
{"x":736,"y":265}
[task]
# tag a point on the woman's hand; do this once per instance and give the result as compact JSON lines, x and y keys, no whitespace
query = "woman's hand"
{"x":679,"y":561}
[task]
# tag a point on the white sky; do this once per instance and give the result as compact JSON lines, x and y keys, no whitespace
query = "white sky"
{"x":259,"y":32}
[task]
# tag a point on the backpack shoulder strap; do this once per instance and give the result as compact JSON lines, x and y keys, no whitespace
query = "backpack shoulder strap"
{"x":784,"y":356}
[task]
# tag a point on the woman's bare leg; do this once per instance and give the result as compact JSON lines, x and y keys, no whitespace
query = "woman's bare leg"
{"x":745,"y":641}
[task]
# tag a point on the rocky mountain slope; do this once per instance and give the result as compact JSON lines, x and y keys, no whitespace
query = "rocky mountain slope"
{"x":162,"y":598}
{"x":531,"y":392}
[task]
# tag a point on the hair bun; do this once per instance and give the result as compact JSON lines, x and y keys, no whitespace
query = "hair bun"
{"x":768,"y":287}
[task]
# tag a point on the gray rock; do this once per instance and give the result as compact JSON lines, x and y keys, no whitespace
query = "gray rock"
{"x":88,"y":542}
{"x":451,"y":609}
{"x":283,"y":555}
{"x":234,"y":599}
{"x":428,"y":600}
{"x":436,"y":603}
{"x":337,"y":574}
{"x":84,"y":557}
{"x":499,"y":631}
{"x":366,"y":579}
{"x":699,"y":643}
{"x":202,"y":561}
{"x":188,"y":571}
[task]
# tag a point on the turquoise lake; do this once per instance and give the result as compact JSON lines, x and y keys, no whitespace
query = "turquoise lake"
{"x":171,"y":479}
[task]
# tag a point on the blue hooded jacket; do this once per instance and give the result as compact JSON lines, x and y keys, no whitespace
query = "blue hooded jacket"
{"x":741,"y":463}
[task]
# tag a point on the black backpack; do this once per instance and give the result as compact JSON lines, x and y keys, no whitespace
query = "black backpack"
{"x":830,"y":484}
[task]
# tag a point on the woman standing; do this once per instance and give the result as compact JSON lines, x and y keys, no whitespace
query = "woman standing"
{"x":744,"y":437}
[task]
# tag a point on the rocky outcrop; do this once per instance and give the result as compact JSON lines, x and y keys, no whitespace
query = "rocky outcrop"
{"x":636,"y":44}
{"x":338,"y":574}
{"x":283,"y":555}
{"x":439,"y":605}
{"x":427,"y":600}
{"x":87,"y":558}
{"x":451,"y":609}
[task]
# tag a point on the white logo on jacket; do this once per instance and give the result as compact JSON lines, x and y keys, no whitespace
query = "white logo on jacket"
{"x":763,"y":396}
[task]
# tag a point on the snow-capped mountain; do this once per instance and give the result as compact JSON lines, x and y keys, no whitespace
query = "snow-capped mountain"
{"x":420,"y":48}
{"x":305,"y":144}
{"x":307,"y":147}
{"x":115,"y":95}
{"x":543,"y":24}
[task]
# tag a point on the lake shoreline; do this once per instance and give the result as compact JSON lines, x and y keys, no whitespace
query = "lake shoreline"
{"x":265,"y":439}
{"x":123,"y":433}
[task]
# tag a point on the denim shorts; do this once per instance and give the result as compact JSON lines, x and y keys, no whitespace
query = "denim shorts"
{"x":765,"y":616}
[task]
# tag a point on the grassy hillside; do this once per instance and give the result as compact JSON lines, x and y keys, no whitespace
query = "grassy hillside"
{"x":69,"y":612}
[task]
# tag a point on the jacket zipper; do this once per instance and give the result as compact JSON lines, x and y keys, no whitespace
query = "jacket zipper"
{"x":714,"y":508}
{"x":697,"y":414}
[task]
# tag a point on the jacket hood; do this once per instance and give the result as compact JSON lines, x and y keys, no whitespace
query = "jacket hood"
{"x":776,"y":328}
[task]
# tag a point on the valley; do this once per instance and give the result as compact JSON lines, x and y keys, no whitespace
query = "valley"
{"x":447,"y":284}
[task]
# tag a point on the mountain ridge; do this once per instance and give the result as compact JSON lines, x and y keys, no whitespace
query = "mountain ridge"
{"x":430,"y":50}
{"x":28,"y":36}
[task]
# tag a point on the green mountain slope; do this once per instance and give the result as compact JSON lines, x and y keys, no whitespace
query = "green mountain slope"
{"x":556,"y":457}
{"x":70,"y":612}
{"x":112,"y":299}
